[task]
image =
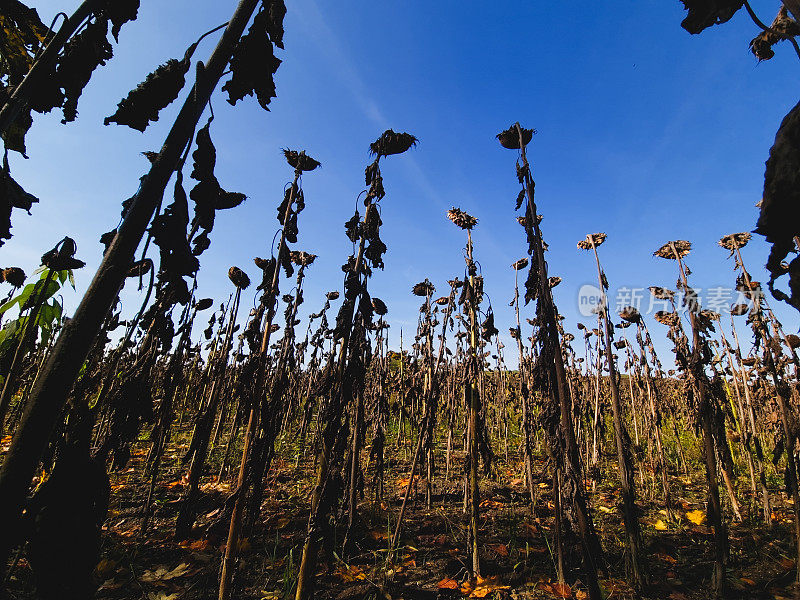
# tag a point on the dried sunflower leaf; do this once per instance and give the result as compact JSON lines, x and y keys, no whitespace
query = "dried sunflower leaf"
{"x":120,"y":12}
{"x":81,"y":56}
{"x":253,"y":64}
{"x":159,"y":89}
{"x":705,"y":13}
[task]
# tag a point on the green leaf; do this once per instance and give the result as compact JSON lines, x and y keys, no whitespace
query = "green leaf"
{"x":43,"y":295}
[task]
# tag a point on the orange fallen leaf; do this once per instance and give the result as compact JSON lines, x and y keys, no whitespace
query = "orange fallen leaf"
{"x":200,"y":545}
{"x":562,"y":590}
{"x":447,"y":584}
{"x":482,"y":587}
{"x":501,"y":549}
{"x":350,"y":574}
{"x":666,"y":558}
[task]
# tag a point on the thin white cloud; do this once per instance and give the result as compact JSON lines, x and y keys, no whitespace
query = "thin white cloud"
{"x":318,"y":30}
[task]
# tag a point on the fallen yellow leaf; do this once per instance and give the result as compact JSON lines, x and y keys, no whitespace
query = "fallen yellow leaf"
{"x":696,"y":516}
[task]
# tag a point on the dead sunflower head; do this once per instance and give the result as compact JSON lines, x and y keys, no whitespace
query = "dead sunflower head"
{"x":630,"y":314}
{"x":334,"y":295}
{"x":510,"y":137}
{"x":423,"y":288}
{"x":667,"y":318}
{"x":13,"y":275}
{"x":732,"y":241}
{"x":674,"y":250}
{"x":203,"y":304}
{"x":455,"y":283}
{"x":661,"y":293}
{"x":520,"y":264}
{"x":62,"y":257}
{"x":392,"y":142}
{"x":239,"y":278}
{"x":442,"y":301}
{"x":737,"y":310}
{"x":793,"y":341}
{"x":592,"y":240}
{"x":302,"y":259}
{"x":379,"y":306}
{"x":300,"y":160}
{"x":461,"y":219}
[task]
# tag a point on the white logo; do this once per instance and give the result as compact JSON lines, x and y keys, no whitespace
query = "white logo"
{"x":590,"y":298}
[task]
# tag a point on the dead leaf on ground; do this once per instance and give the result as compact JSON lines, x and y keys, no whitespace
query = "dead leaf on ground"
{"x":164,"y":573}
{"x":482,"y":586}
{"x":696,"y":516}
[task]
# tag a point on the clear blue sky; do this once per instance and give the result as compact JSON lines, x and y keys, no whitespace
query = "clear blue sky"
{"x":644,"y":132}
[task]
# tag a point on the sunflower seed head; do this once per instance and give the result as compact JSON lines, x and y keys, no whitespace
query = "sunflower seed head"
{"x":379,"y":306}
{"x":510,"y":137}
{"x":423,"y":288}
{"x":667,"y":318}
{"x":661,"y":293}
{"x":733,"y":241}
{"x":737,"y":310}
{"x":302,"y":259}
{"x":13,"y":275}
{"x":520,"y":264}
{"x":392,"y":142}
{"x":630,"y":314}
{"x":597,"y":238}
{"x":674,"y":250}
{"x":238,"y":277}
{"x":300,"y":160}
{"x":461,"y":219}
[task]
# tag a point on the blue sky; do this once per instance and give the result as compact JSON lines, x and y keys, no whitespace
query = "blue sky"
{"x":644,"y":132}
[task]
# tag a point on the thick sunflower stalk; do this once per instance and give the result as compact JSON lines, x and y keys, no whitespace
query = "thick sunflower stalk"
{"x":49,"y":394}
{"x":549,"y":374}
{"x":470,"y":300}
{"x":653,"y":394}
{"x":429,"y":395}
{"x":692,"y":360}
{"x":624,"y":459}
{"x":201,"y":437}
{"x":265,"y":411}
{"x":343,"y":384}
